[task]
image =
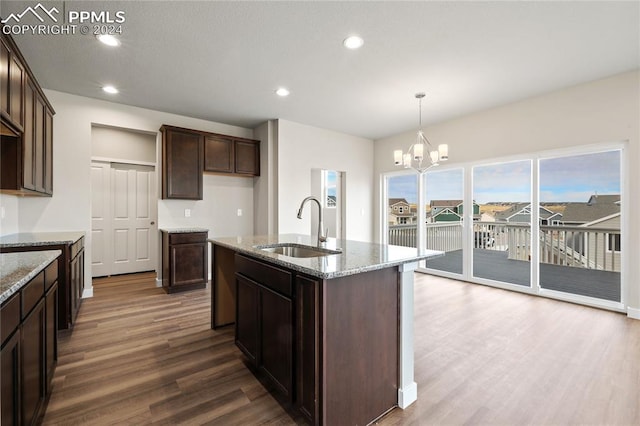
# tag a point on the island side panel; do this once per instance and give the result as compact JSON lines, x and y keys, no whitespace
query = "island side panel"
{"x":360,"y":315}
{"x":223,"y":288}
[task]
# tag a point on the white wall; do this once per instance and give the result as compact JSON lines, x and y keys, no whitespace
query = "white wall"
{"x":70,"y":206}
{"x":606,"y":110}
{"x":301,"y":148}
{"x":265,"y":191}
{"x":8,"y":214}
{"x":118,"y":144}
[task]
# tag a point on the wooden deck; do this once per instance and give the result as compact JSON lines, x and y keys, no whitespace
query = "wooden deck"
{"x":494,"y":265}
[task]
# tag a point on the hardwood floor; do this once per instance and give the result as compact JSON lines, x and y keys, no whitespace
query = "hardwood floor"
{"x":483,"y":356}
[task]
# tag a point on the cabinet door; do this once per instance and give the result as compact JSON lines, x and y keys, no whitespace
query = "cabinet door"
{"x":5,"y":64}
{"x":10,"y":381}
{"x":33,"y":364}
{"x":188,"y":264}
{"x":76,"y":282}
{"x":276,"y":339}
{"x":247,"y":157}
{"x":48,"y":151}
{"x":38,"y":145}
{"x":218,"y":154}
{"x":307,"y":357}
{"x":51,"y":332}
{"x":247,"y":296}
{"x":182,"y":167}
{"x":28,"y":140}
{"x":16,"y":82}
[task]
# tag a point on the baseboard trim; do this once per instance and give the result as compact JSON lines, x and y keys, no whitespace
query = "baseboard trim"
{"x":158,"y":282}
{"x":87,"y":293}
{"x":407,"y":395}
{"x":633,"y":313}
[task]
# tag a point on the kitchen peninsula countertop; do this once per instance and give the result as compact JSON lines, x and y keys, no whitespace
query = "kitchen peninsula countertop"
{"x":182,"y":230}
{"x":16,"y":269}
{"x":24,"y":239}
{"x":356,"y":256}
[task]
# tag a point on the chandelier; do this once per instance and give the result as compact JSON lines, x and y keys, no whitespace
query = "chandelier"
{"x":421,"y":156}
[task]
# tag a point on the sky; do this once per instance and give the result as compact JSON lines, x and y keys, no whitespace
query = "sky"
{"x":562,"y":179}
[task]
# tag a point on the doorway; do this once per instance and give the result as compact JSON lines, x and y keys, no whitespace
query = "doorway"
{"x":123,"y":219}
{"x":328,"y":187}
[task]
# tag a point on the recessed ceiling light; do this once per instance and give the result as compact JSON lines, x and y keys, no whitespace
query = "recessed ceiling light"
{"x":109,"y":40}
{"x":353,"y":42}
{"x":282,"y":92}
{"x":110,"y":89}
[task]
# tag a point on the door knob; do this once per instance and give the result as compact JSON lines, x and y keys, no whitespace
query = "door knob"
{"x":153,"y":223}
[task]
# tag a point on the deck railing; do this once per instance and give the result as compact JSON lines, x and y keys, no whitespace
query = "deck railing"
{"x":592,"y":248}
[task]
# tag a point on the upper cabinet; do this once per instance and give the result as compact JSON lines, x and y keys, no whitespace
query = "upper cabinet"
{"x":182,"y":153}
{"x":187,"y":154}
{"x":26,"y":157}
{"x":227,"y":154}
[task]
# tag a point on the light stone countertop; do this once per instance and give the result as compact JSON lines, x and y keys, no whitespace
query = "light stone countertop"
{"x":182,"y":230}
{"x":24,"y":239}
{"x":356,"y":256}
{"x":16,"y":269}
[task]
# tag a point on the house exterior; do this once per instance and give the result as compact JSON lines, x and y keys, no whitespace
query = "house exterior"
{"x":400,"y":212}
{"x":598,"y":207}
{"x":521,"y":213}
{"x":450,"y":211}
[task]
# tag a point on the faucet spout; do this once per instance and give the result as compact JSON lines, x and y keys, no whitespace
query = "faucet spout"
{"x":322,"y":234}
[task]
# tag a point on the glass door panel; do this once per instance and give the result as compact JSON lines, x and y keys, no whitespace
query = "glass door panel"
{"x":402,"y":211}
{"x":444,"y":193}
{"x":580,"y":250}
{"x":501,"y":234}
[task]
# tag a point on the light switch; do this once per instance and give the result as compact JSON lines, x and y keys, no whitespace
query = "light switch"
{"x":239,"y":212}
{"x":187,"y":212}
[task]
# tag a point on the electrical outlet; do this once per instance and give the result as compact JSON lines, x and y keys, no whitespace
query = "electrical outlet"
{"x":187,"y":212}
{"x":239,"y":212}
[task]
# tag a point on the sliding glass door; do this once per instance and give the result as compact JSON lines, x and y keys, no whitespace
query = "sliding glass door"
{"x":501,"y":231}
{"x":402,"y":209}
{"x":443,"y":195}
{"x":580,"y":243}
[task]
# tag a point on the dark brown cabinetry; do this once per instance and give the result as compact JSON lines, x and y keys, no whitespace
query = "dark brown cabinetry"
{"x":70,"y":271}
{"x":264,"y":326}
{"x":29,"y":348}
{"x":182,"y":163}
{"x":184,"y":261}
{"x":226,"y":154}
{"x":187,"y":154}
{"x":26,"y":128}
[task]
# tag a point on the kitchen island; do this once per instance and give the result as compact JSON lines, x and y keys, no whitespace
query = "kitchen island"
{"x":333,"y":332}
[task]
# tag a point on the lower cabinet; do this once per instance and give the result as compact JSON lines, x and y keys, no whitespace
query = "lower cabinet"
{"x":264,"y":320}
{"x":184,"y":261}
{"x":29,"y":350}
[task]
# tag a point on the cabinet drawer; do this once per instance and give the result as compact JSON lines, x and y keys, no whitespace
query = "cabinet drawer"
{"x":9,"y":317}
{"x":50,"y":275}
{"x":276,"y":279}
{"x":77,"y":247}
{"x":188,"y":238}
{"x":32,"y":293}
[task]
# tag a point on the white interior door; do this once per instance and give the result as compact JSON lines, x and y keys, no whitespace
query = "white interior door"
{"x":126,"y":240}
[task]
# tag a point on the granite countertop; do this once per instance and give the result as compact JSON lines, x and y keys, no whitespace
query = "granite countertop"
{"x":356,"y":256}
{"x":16,"y":269}
{"x":23,"y":239}
{"x":183,"y":230}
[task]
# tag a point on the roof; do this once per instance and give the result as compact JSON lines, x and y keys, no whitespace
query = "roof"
{"x":517,"y":208}
{"x":393,"y":201}
{"x":585,"y":212}
{"x":604,"y":199}
{"x":445,"y":203}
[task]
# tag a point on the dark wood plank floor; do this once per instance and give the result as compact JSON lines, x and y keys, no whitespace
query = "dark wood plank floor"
{"x":483,"y":356}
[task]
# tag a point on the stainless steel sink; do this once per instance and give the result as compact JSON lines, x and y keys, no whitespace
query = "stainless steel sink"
{"x":297,"y":250}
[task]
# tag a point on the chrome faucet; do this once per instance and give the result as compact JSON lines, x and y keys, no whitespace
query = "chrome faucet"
{"x":322,"y":237}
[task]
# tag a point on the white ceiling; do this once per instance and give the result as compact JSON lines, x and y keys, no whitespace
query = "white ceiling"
{"x":222,"y":61}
